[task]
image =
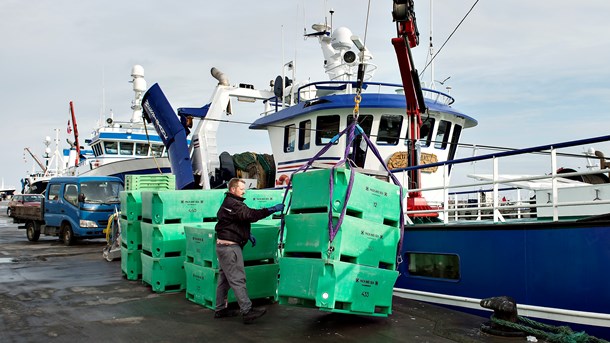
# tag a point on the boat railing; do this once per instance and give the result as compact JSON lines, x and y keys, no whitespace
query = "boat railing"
{"x":484,"y":199}
{"x":322,"y":88}
{"x":314,"y":90}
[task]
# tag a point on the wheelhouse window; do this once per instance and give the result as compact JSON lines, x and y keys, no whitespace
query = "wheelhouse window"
{"x":365,"y":122}
{"x":141,"y":149}
{"x":327,"y":127}
{"x":97,"y":150}
{"x":156,"y":150}
{"x":71,"y":194}
{"x":304,"y":134}
{"x":442,"y":135}
{"x":126,"y":148}
{"x":389,"y":129}
{"x":290,"y":136}
{"x":455,"y":139}
{"x":440,"y":266}
{"x":425,"y":133}
{"x":111,"y":148}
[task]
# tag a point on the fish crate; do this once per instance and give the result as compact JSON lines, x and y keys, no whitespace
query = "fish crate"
{"x":131,"y":233}
{"x":201,"y":283}
{"x":357,"y":241}
{"x":165,"y":240}
{"x":150,"y":182}
{"x":131,"y":205}
{"x":163,"y":274}
{"x":336,"y":286}
{"x":262,"y":198}
{"x":370,"y":199}
{"x":131,"y":263}
{"x":184,"y":206}
{"x":201,"y":244}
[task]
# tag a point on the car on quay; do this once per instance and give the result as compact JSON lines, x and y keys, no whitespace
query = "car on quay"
{"x":33,"y":200}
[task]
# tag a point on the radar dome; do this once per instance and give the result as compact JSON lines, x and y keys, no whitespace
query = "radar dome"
{"x":137,"y":70}
{"x":139,"y":85}
{"x":342,"y":38}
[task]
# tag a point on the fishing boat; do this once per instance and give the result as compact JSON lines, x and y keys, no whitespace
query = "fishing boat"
{"x":115,"y":148}
{"x":541,"y":239}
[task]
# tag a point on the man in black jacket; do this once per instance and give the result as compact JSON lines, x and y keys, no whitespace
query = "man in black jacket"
{"x":232,"y":234}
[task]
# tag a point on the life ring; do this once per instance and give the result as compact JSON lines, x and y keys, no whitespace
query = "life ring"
{"x":283,"y":180}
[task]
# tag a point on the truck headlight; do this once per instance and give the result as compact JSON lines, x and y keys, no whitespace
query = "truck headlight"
{"x":88,"y":223}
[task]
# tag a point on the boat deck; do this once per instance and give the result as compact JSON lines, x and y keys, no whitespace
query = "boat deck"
{"x":53,"y":293}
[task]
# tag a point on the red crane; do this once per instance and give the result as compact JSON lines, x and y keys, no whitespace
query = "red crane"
{"x":403,"y":14}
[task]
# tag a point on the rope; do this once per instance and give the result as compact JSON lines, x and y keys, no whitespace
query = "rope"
{"x":558,"y":334}
{"x":150,"y":146}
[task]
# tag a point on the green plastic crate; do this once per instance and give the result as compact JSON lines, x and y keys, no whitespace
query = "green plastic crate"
{"x":370,"y":199}
{"x":201,"y":283}
{"x":131,"y":234}
{"x":165,"y":240}
{"x":150,"y":182}
{"x":131,"y":205}
{"x":164,"y":274}
{"x":131,"y":263}
{"x":201,"y":244}
{"x":336,"y":286}
{"x":261,"y":198}
{"x":357,"y":241}
{"x":184,"y":206}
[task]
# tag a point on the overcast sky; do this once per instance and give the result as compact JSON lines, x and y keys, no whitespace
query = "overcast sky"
{"x":531,"y":73}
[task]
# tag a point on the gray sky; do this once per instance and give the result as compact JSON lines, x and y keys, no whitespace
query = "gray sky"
{"x":531,"y":73}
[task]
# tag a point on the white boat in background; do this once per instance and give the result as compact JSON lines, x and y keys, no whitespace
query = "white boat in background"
{"x":115,"y":148}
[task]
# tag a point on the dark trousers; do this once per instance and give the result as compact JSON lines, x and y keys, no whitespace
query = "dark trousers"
{"x":232,"y":275}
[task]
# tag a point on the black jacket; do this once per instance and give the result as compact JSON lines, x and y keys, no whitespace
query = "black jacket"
{"x":234,"y":218}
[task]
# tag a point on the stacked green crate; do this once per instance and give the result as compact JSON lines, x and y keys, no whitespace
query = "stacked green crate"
{"x":164,"y":216}
{"x":354,"y":273}
{"x":184,"y":206}
{"x":201,"y":263}
{"x":131,"y":216}
{"x":131,"y":234}
{"x":150,"y":181}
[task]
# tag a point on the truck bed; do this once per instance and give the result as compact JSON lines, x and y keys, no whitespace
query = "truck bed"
{"x":21,"y":214}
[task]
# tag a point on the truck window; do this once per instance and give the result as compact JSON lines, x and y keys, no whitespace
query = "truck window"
{"x":71,"y":194}
{"x":54,"y":192}
{"x":101,"y":192}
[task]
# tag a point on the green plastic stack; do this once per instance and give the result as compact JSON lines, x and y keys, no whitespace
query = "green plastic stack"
{"x":150,"y":182}
{"x":131,"y":219}
{"x":201,"y":265}
{"x":354,"y":273}
{"x":181,"y":207}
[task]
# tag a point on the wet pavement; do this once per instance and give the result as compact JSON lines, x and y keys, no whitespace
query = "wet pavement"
{"x":53,"y":293}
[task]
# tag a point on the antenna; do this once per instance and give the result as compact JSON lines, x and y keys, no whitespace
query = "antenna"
{"x":431,"y":47}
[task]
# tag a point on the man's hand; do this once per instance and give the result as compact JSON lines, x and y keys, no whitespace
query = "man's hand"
{"x":253,"y":240}
{"x":277,"y":208}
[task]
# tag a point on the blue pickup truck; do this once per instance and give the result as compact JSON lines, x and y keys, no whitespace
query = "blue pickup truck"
{"x":74,"y":207}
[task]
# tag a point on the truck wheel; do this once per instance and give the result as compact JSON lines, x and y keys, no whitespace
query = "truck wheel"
{"x":66,"y":234}
{"x":32,"y":231}
{"x":8,"y":211}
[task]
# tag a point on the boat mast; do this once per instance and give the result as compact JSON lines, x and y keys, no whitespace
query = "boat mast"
{"x":139,"y":87}
{"x":76,"y":143}
{"x":431,"y":49}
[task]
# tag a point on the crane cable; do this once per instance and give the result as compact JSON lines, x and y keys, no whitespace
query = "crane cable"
{"x":448,"y":38}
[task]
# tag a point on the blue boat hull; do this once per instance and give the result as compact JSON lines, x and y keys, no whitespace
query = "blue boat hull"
{"x":551,"y":265}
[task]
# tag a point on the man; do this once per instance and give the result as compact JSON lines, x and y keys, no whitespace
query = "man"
{"x":232,"y":234}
